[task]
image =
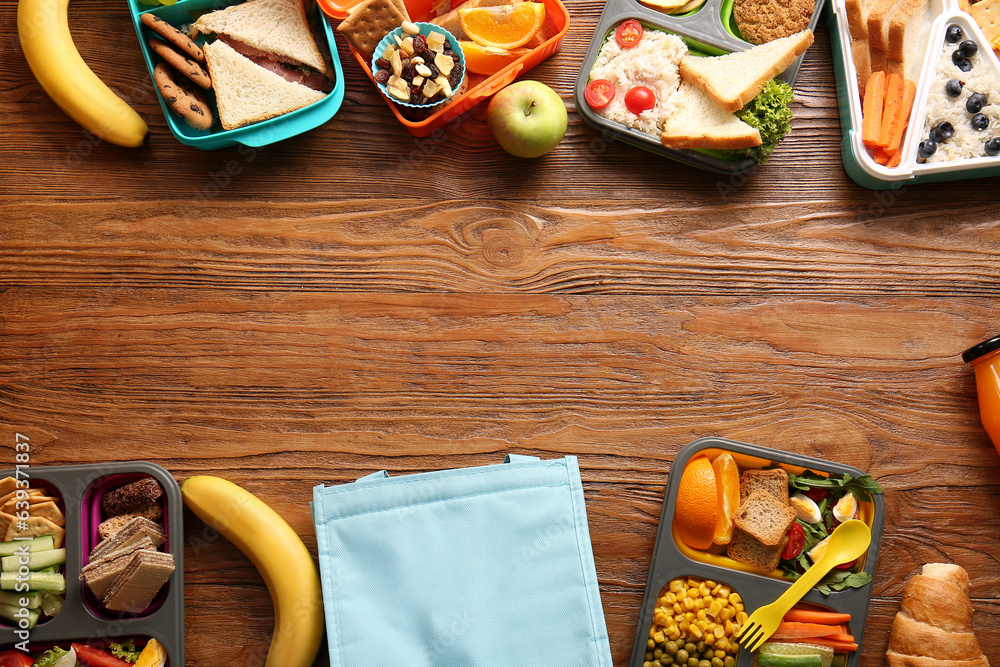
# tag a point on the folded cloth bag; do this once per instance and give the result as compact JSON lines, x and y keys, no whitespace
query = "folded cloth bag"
{"x":476,"y":566}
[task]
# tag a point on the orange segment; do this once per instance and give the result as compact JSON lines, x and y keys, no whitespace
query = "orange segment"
{"x":488,"y":59}
{"x":697,"y":503}
{"x":503,"y":27}
{"x":727,"y":477}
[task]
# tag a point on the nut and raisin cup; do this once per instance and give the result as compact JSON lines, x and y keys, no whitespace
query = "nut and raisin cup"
{"x":419,"y":65}
{"x":695,"y":624}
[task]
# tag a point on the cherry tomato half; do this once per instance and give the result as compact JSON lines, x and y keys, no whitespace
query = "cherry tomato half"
{"x":628,"y":33}
{"x":796,"y":540}
{"x":15,"y":659}
{"x":599,"y":93}
{"x":817,"y":494}
{"x":640,"y":99}
{"x":847,"y":566}
{"x":95,"y":657}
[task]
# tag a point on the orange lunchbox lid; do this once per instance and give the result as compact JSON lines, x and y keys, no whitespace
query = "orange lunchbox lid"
{"x":557,"y":17}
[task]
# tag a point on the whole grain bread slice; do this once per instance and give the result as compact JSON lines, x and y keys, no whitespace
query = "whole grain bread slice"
{"x":774,"y":481}
{"x":736,"y":78}
{"x":763,"y":517}
{"x":745,"y":549}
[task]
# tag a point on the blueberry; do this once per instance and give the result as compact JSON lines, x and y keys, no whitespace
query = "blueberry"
{"x":973,"y":104}
{"x":980,"y":121}
{"x":965,"y":65}
{"x":953,"y":34}
{"x":926,"y":149}
{"x":953,"y":88}
{"x":935,"y":136}
{"x":992,"y":146}
{"x":945,"y":130}
{"x":968,"y":47}
{"x":958,"y":57}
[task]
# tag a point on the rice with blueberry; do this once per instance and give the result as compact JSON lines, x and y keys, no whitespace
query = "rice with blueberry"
{"x":967,"y":141}
{"x":651,"y":63}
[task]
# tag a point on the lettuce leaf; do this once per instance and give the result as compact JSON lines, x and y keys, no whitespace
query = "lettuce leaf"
{"x":769,"y":112}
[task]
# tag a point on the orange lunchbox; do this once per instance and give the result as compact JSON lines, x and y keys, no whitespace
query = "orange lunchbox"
{"x":480,"y":87}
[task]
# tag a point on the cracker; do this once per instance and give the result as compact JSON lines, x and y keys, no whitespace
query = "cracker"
{"x":5,"y":522}
{"x":36,"y":526}
{"x":987,"y":15}
{"x":7,"y":484}
{"x":401,"y":6}
{"x":48,"y":511}
{"x":369,"y":23}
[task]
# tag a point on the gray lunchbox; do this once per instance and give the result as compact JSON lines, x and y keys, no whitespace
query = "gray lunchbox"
{"x":708,"y":30}
{"x":83,"y":619}
{"x":670,"y":560}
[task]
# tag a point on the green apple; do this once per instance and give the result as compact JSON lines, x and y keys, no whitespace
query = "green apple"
{"x":528,"y":118}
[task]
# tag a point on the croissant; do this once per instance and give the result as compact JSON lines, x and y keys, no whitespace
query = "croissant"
{"x":933,"y":627}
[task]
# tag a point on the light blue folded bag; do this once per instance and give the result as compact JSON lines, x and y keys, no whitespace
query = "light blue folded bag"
{"x":460,"y":568}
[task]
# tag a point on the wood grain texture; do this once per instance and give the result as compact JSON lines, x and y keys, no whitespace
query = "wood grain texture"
{"x":356,"y":299}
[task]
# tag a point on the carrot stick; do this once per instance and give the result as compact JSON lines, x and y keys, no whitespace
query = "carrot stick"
{"x":798,"y":615}
{"x":880,"y":155}
{"x":821,"y":641}
{"x":890,"y":108}
{"x":871,"y":119}
{"x":841,"y":637}
{"x":902,"y":117}
{"x":792,"y":629}
{"x":897,"y":157}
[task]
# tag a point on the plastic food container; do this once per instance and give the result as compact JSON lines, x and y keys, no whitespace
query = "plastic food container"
{"x":83,"y":619}
{"x":672,"y":558}
{"x":425,"y":30}
{"x":985,"y":361}
{"x":709,"y":30}
{"x":479,"y":88}
{"x":860,"y":166}
{"x":255,"y":135}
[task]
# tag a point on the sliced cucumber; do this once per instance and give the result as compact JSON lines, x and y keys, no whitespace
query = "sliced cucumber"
{"x":36,"y":560}
{"x":14,"y":614}
{"x":784,"y":660}
{"x":34,"y":598}
{"x":37,"y":581}
{"x":794,"y":648}
{"x":40,"y":543}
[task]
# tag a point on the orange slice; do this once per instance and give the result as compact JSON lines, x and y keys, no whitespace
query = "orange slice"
{"x":488,"y":59}
{"x":727,"y":478}
{"x":503,"y":27}
{"x":696,"y":509}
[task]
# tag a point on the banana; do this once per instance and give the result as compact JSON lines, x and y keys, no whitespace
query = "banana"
{"x":43,"y":28}
{"x":279,"y":554}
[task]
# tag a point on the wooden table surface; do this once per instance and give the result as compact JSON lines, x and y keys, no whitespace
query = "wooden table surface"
{"x":354,"y":299}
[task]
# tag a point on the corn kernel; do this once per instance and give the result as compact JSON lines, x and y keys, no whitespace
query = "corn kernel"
{"x":709,"y":639}
{"x":701,"y":615}
{"x":710,"y":583}
{"x":695,"y":631}
{"x":704,"y":590}
{"x":724,"y":591}
{"x":741,"y":617}
{"x":676,"y":585}
{"x":677,"y":608}
{"x":693,"y":583}
{"x":719,"y":632}
{"x":726,"y":613}
{"x":658,"y":637}
{"x":669,"y":599}
{"x":720,"y":654}
{"x":714,"y":608}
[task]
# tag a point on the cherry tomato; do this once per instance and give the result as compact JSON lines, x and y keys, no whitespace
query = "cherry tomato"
{"x":15,"y":659}
{"x":817,"y":494}
{"x":640,"y":99}
{"x":628,"y":33}
{"x":796,"y":540}
{"x":599,"y":93}
{"x":95,"y":657}
{"x":847,"y":566}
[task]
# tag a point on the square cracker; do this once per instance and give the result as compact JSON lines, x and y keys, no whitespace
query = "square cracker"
{"x":5,"y":522}
{"x":35,"y":526}
{"x":7,"y":484}
{"x":987,"y":15}
{"x":48,"y":511}
{"x":365,"y":27}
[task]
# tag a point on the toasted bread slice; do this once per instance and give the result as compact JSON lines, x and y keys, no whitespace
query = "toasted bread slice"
{"x":857,"y":18}
{"x":736,"y":78}
{"x":862,"y":62}
{"x":773,"y":481}
{"x":745,"y":549}
{"x":764,"y":518}
{"x":699,"y":122}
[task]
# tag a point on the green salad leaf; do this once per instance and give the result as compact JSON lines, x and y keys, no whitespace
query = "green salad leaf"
{"x":863,"y":487}
{"x":769,"y":112}
{"x":50,"y":657}
{"x":126,"y":650}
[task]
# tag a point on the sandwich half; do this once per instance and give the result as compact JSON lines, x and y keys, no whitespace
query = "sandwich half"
{"x":247,"y":93}
{"x":275,"y":30}
{"x":699,"y":122}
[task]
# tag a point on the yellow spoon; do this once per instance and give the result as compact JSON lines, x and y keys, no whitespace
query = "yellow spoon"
{"x":847,"y":542}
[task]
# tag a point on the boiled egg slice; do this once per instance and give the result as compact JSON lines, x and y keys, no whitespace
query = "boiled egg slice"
{"x":817,"y":551}
{"x":845,"y":508}
{"x":806,"y":508}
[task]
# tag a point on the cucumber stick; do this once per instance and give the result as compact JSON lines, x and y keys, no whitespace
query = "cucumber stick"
{"x":775,"y":660}
{"x":36,"y":560}
{"x":14,"y":613}
{"x":40,"y":543}
{"x":36,"y":581}
{"x":794,"y":648}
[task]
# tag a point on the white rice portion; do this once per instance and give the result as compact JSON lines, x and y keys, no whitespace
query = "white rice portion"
{"x":651,"y":63}
{"x":968,"y":142}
